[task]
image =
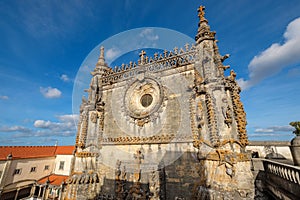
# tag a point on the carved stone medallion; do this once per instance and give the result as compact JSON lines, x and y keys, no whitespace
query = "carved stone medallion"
{"x":143,"y":98}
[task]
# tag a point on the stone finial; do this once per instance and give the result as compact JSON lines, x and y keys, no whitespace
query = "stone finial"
{"x":102,"y":52}
{"x":101,"y":67}
{"x":176,"y":50}
{"x":187,"y":47}
{"x":204,"y":32}
{"x":165,"y":53}
{"x":101,"y":59}
{"x":201,"y":13}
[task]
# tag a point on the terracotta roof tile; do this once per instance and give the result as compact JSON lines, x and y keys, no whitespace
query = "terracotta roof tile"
{"x":54,"y":179}
{"x":21,"y":152}
{"x":64,"y":150}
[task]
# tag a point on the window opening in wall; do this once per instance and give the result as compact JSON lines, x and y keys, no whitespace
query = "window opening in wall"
{"x":61,"y":165}
{"x":17,"y":171}
{"x":146,"y":100}
{"x":33,"y":169}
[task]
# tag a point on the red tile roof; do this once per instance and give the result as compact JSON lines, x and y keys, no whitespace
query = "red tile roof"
{"x":64,"y":150}
{"x":21,"y":152}
{"x":54,"y":179}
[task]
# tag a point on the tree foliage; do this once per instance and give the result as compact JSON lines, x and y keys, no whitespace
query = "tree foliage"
{"x":296,"y":125}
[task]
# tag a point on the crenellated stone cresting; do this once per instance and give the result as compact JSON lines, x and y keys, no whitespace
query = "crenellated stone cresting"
{"x":238,"y":108}
{"x":156,"y":64}
{"x":287,"y":172}
{"x":83,"y":132}
{"x":212,"y":121}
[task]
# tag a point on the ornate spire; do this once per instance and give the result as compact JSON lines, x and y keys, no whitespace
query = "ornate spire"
{"x":101,"y":66}
{"x":101,"y":59}
{"x":203,"y":27}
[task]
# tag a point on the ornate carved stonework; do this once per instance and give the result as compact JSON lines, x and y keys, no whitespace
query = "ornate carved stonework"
{"x":143,"y":99}
{"x":170,"y":126}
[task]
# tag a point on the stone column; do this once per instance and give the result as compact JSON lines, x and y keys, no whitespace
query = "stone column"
{"x":32,"y":190}
{"x":44,"y":190}
{"x":17,"y":193}
{"x":39,"y":194}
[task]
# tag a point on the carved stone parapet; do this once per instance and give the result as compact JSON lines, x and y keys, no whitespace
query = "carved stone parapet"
{"x":158,"y":64}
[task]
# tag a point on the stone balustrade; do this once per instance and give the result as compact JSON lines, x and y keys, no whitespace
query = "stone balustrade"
{"x":282,"y":180}
{"x":287,"y":172}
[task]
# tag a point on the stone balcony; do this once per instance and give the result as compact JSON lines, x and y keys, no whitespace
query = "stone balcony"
{"x":275,"y":175}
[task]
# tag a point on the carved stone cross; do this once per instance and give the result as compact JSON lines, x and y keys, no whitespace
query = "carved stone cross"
{"x":139,"y":156}
{"x":142,"y":56}
{"x":201,"y":13}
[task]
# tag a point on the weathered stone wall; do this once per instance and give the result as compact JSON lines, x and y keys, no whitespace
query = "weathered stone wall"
{"x":272,"y":149}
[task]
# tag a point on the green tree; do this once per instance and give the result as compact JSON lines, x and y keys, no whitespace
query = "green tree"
{"x":296,"y":125}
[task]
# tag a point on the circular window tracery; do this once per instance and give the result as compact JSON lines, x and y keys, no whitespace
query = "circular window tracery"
{"x":143,"y":98}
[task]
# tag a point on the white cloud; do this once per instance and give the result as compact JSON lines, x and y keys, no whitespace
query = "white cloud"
{"x":263,"y":130}
{"x":112,"y":53}
{"x":276,"y":57}
{"x":264,"y":135}
{"x":68,"y":118}
{"x":15,"y":129}
{"x":287,"y":128}
{"x":42,"y":124}
{"x":4,"y":97}
{"x":65,"y":126}
{"x":275,"y":129}
{"x":50,"y":92}
{"x":64,"y":78}
{"x":149,"y":34}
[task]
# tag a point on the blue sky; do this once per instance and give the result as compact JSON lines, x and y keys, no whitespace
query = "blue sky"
{"x":44,"y":43}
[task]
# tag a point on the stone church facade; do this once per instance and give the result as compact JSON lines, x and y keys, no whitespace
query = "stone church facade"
{"x":170,"y":126}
